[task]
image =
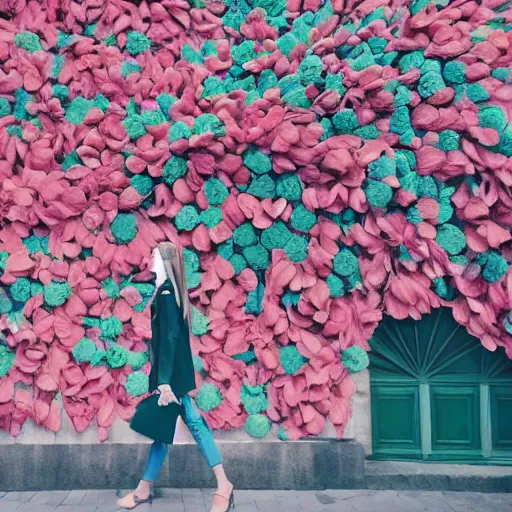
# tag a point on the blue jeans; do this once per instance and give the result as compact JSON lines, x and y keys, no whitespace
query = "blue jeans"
{"x":201,"y":433}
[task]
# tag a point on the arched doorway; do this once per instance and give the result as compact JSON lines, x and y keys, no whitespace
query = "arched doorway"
{"x":438,"y":394}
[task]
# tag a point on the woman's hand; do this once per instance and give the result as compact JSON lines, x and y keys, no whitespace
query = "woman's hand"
{"x":166,"y":395}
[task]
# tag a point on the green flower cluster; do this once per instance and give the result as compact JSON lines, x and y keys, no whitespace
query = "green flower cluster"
{"x":258,"y":426}
{"x":208,"y":397}
{"x":355,"y":359}
{"x":254,"y":399}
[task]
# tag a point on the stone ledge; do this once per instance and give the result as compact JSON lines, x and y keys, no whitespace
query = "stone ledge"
{"x":299,"y":465}
{"x":420,"y":476}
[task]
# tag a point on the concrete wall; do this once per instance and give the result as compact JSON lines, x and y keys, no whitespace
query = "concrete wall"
{"x":358,"y":429}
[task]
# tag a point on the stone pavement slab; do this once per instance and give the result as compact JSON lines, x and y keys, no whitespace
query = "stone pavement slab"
{"x":198,"y":500}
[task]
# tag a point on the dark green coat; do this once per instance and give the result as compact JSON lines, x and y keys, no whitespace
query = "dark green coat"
{"x":171,"y":356}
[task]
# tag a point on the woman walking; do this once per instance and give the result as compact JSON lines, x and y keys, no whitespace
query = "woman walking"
{"x":172,"y":376}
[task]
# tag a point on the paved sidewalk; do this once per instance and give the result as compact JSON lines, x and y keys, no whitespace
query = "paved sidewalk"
{"x":197,"y":500}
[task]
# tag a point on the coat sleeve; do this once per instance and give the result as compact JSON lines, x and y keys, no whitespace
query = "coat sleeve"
{"x":169,"y":337}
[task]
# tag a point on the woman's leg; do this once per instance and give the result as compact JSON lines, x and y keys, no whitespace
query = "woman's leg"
{"x":204,"y":438}
{"x":157,"y":456}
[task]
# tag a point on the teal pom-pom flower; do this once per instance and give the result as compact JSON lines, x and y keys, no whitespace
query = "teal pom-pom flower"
{"x":116,"y":356}
{"x":6,"y":360}
{"x":199,"y":323}
{"x":174,"y":168}
{"x":254,"y":399}
{"x":258,"y":426}
{"x":137,"y":43}
{"x":137,"y":383}
{"x":124,"y":228}
{"x":187,"y":218}
{"x":136,"y":359}
{"x":296,"y":248}
{"x":110,"y":328}
{"x":451,"y":239}
{"x":20,"y":290}
{"x":291,"y":359}
{"x":244,"y":235}
{"x":345,"y":263}
{"x":215,"y":191}
{"x":355,"y":359}
{"x":28,"y":41}
{"x":208,"y":397}
{"x":84,"y":350}
{"x":56,"y":294}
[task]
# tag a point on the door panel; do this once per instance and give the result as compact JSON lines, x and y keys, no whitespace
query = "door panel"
{"x":464,"y":412}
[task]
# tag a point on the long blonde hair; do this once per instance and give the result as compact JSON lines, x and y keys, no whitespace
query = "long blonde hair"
{"x":174,"y":264}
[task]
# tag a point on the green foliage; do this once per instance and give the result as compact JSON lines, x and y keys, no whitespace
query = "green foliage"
{"x":187,"y":218}
{"x":451,"y":239}
{"x":124,"y":228}
{"x":136,"y":359}
{"x":21,"y":98}
{"x":291,"y":359}
{"x":382,"y":168}
{"x":209,"y":123}
{"x":258,"y":426}
{"x":174,"y":169}
{"x":336,"y":286}
{"x":84,"y":350}
{"x":177,"y":131}
{"x":448,"y":140}
{"x":137,"y":383}
{"x":137,"y":43}
{"x":310,"y":70}
{"x":345,"y":263}
{"x":238,"y":262}
{"x":111,"y":288}
{"x":296,"y":248}
{"x":199,"y":323}
{"x":116,"y":356}
{"x":289,"y":186}
{"x":345,"y":121}
{"x":28,"y":41}
{"x":495,"y":266}
{"x":492,"y":117}
{"x":257,"y":257}
{"x":5,"y":302}
{"x":254,"y":299}
{"x":5,"y":107}
{"x":20,"y":290}
{"x":211,"y":216}
{"x":355,"y":359}
{"x":244,"y":235}
{"x":78,"y":110}
{"x":215,"y":191}
{"x":477,"y":93}
{"x":302,"y":219}
{"x":142,"y":184}
{"x":254,"y":399}
{"x":208,"y":397}
{"x":276,"y":236}
{"x":256,"y":161}
{"x":56,"y":294}
{"x":378,"y":194}
{"x":7,"y":358}
{"x":110,"y":328}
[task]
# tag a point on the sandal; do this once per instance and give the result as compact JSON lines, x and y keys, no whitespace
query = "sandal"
{"x":230,"y":500}
{"x":136,"y":501}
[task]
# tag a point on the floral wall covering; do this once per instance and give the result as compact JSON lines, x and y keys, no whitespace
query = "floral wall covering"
{"x":322,"y":162}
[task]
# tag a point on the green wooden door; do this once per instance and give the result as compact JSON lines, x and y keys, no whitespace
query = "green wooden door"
{"x":438,"y":394}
